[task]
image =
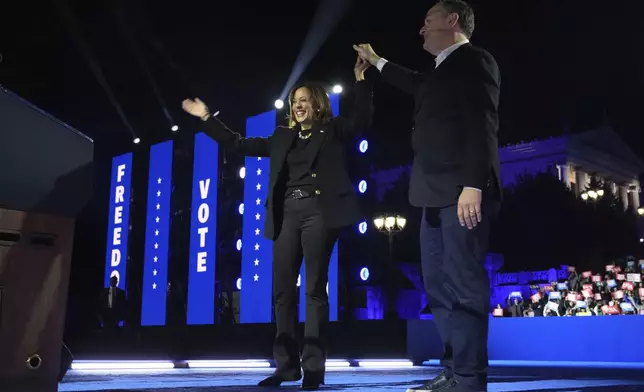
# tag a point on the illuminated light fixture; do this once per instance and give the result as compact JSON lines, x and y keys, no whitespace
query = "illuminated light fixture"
{"x":279,"y":104}
{"x":337,"y":89}
{"x":240,"y":209}
{"x":386,"y":363}
{"x":229,"y":364}
{"x":242,"y":173}
{"x":640,"y":211}
{"x":238,"y":284}
{"x":121,"y":365}
{"x":337,"y":363}
{"x":137,"y":140}
{"x":363,"y":146}
{"x":362,"y":186}
{"x":364,"y":274}
{"x":362,"y":227}
{"x":175,"y":128}
{"x":239,"y":244}
{"x":299,"y":280}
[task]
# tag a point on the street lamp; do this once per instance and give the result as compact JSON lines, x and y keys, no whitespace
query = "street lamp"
{"x":390,"y":225}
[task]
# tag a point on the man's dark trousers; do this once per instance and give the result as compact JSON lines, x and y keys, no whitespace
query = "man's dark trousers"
{"x":458,"y":288}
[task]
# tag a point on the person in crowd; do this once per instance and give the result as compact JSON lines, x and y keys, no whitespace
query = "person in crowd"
{"x":310,"y":198}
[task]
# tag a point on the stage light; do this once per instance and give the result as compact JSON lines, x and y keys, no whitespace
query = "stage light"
{"x":229,"y":364}
{"x":385,"y":364}
{"x":241,"y":209}
{"x":337,"y":89}
{"x":641,"y":239}
{"x":362,"y":227}
{"x":238,"y":283}
{"x":121,"y":365}
{"x":364,"y":274}
{"x":279,"y":104}
{"x":175,"y":128}
{"x":299,"y":280}
{"x":640,"y":211}
{"x":363,"y":146}
{"x":362,"y":186}
{"x":239,"y":244}
{"x":242,"y":173}
{"x":137,"y":140}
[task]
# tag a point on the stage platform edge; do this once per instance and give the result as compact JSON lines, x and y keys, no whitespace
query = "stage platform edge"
{"x":606,"y":339}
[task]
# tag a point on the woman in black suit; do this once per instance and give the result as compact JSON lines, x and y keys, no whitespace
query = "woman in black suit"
{"x":310,"y":198}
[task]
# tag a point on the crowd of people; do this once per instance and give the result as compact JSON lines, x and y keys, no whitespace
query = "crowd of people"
{"x":618,"y":291}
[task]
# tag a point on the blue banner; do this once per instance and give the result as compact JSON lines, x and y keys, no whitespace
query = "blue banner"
{"x":203,"y":232}
{"x":155,"y":261}
{"x":118,"y":221}
{"x":257,"y":259}
{"x":332,"y":286}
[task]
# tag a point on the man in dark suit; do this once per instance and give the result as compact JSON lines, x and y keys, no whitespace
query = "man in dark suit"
{"x":455,"y":179}
{"x":113,"y":305}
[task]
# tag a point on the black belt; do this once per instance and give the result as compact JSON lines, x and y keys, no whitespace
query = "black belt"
{"x":298,"y":194}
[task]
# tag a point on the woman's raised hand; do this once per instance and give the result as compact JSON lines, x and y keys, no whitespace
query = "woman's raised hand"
{"x":196,"y":107}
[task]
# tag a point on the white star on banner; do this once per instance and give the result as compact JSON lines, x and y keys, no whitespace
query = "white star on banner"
{"x":155,"y":259}
{"x":158,"y":193}
{"x":157,"y":219}
{"x":156,"y":245}
{"x":259,"y":186}
{"x":154,"y":286}
{"x":156,"y":233}
{"x":256,"y":277}
{"x":259,"y":158}
{"x":259,"y":172}
{"x":159,"y":180}
{"x":154,"y":272}
{"x":256,"y":262}
{"x":256,"y":246}
{"x":256,"y":231}
{"x":158,"y":206}
{"x":258,"y":201}
{"x":257,"y":216}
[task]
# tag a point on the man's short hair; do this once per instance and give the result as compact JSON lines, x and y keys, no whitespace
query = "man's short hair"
{"x":465,"y":14}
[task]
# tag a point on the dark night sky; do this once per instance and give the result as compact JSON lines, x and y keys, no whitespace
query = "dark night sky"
{"x":564,"y":64}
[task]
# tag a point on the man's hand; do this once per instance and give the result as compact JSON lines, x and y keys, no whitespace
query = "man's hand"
{"x":469,"y":208}
{"x":366,"y":52}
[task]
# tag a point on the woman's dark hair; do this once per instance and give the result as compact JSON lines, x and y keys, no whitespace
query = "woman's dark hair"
{"x":319,"y":100}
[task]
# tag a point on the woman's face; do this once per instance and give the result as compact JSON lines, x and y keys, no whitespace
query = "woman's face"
{"x":302,"y":106}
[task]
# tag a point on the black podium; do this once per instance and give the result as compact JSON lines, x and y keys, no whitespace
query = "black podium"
{"x":45,"y":181}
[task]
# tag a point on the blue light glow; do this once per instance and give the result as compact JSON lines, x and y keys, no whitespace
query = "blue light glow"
{"x":363,"y":146}
{"x":362,"y":227}
{"x":364,"y":274}
{"x":362,"y":186}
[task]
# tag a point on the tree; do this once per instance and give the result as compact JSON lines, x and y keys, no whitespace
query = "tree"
{"x":542,"y":224}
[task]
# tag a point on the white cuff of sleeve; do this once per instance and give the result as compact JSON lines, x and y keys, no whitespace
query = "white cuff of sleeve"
{"x":381,"y":63}
{"x":469,"y":187}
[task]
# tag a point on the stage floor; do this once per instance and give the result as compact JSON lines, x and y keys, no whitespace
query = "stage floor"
{"x":502,"y":379}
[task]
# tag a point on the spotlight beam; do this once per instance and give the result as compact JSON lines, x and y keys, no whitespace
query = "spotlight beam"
{"x":327,"y":16}
{"x":75,"y":32}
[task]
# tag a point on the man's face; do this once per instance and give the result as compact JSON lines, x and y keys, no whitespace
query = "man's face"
{"x":437,"y":29}
{"x":113,"y":281}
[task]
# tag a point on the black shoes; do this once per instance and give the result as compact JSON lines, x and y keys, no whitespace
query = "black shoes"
{"x":276,"y":379}
{"x":438,"y":383}
{"x":311,"y":382}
